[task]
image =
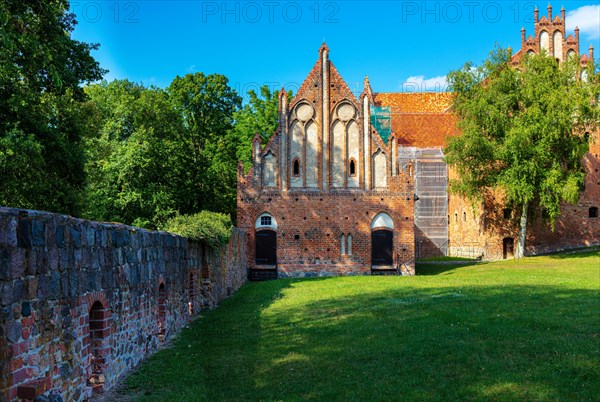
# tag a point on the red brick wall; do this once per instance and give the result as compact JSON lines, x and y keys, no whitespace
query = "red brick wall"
{"x":319,"y":219}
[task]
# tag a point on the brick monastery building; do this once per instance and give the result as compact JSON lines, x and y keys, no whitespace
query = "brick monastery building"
{"x":350,"y":186}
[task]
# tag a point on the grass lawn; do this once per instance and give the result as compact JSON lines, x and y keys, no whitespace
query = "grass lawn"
{"x":527,"y":330}
{"x":445,"y":259}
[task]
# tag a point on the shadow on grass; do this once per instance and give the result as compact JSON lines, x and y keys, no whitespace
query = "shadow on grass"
{"x":230,"y":334}
{"x":440,"y":268}
{"x":516,"y":342}
{"x":382,"y":339}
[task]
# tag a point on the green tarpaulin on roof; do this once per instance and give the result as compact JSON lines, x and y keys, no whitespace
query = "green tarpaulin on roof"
{"x":381,"y":119}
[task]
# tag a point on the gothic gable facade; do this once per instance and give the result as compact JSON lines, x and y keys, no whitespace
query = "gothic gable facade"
{"x":326,"y":196}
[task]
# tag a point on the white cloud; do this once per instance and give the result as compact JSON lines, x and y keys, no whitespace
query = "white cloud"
{"x":191,"y":68}
{"x":587,"y":18}
{"x":419,"y":83}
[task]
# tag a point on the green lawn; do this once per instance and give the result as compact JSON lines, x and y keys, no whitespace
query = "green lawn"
{"x":527,"y":330}
{"x":445,"y":259}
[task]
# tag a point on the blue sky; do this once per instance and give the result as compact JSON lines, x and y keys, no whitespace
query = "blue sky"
{"x":399,"y":45}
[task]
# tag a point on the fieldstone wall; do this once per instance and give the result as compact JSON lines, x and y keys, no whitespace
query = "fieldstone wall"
{"x":83,"y":302}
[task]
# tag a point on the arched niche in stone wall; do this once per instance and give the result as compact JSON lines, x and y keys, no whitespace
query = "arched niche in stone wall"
{"x":349,"y":248}
{"x":296,"y":154}
{"x":558,"y":45}
{"x":269,"y":167}
{"x":353,"y":153}
{"x":345,"y":145}
{"x":162,"y":311}
{"x":303,"y":145}
{"x":544,"y":41}
{"x":99,"y":344}
{"x":312,"y":163}
{"x":338,"y":146}
{"x":379,"y":170}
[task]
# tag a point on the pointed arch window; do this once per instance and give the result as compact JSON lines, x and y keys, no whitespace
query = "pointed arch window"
{"x":352,"y":167}
{"x":296,"y":168}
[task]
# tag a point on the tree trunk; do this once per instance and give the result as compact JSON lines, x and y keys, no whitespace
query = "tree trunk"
{"x":522,"y":232}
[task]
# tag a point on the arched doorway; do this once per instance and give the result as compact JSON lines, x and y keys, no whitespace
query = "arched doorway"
{"x":382,"y":241}
{"x":265,"y":240}
{"x":508,"y":248}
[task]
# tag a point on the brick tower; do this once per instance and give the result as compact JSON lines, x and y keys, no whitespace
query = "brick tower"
{"x":550,"y":36}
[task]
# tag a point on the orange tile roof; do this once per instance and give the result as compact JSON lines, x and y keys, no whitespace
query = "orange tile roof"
{"x":424,"y":130}
{"x":415,"y":102}
{"x":420,"y":119}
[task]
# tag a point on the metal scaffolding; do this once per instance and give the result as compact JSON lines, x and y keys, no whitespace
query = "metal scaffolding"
{"x":431,"y":208}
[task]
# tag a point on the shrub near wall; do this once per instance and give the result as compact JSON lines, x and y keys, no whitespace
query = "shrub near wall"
{"x":84,"y":302}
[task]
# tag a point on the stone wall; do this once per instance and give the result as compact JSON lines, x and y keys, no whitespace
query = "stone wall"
{"x":84,"y":302}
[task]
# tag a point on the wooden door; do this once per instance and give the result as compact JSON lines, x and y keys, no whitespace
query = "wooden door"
{"x":382,"y":242}
{"x":266,"y":247}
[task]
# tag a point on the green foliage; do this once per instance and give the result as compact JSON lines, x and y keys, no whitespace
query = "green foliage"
{"x":134,"y":170}
{"x":502,"y":331}
{"x":211,"y":228}
{"x":260,"y":115}
{"x":41,"y":122}
{"x":158,"y":153}
{"x":206,"y":104}
{"x":119,"y":151}
{"x":522,"y":130}
{"x":20,"y":162}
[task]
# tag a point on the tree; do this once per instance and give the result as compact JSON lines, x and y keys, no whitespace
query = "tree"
{"x":134,"y":160}
{"x":41,"y":125}
{"x":260,"y":115}
{"x":206,"y":104}
{"x":161,"y":153}
{"x":522,"y":132}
